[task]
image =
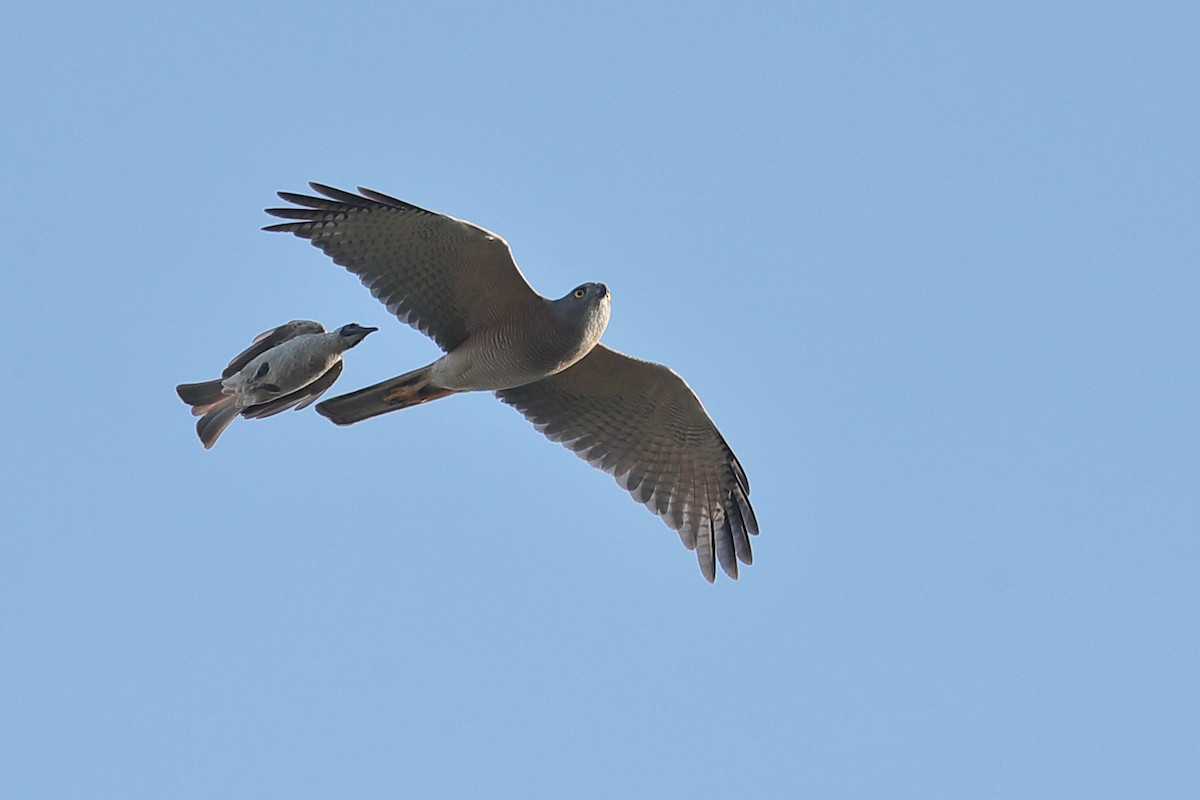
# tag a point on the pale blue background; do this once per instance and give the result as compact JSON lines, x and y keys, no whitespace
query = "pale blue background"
{"x":933,"y":269}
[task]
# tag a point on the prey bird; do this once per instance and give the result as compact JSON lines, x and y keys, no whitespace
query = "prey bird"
{"x":286,"y":367}
{"x":458,"y":284}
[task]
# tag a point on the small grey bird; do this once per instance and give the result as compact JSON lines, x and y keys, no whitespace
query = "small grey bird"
{"x":458,"y":284}
{"x":286,"y":367}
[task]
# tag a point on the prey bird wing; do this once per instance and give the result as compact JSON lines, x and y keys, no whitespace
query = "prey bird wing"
{"x":269,"y":339}
{"x":444,"y":276}
{"x":298,"y":399}
{"x":641,"y":423}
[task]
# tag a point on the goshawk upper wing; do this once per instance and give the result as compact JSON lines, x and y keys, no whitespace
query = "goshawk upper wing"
{"x":444,"y":276}
{"x":642,"y":423}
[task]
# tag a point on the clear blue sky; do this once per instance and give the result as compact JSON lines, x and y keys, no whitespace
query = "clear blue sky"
{"x":933,"y":269}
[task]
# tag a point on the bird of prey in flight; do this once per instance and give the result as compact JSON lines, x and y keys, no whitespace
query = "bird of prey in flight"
{"x":458,"y":284}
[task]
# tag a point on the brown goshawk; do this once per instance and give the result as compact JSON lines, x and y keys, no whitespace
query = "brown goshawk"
{"x":458,"y":284}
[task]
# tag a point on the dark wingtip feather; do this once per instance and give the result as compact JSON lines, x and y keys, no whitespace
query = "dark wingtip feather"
{"x":726,"y":549}
{"x":306,"y":200}
{"x":706,"y":538}
{"x":739,"y":473}
{"x":746,"y":511}
{"x":341,"y":195}
{"x":380,"y":197}
{"x":309,"y":214}
{"x":333,"y":201}
{"x":324,"y":188}
{"x":737,"y":525}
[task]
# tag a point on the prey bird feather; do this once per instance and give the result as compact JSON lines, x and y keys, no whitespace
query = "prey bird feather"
{"x":458,"y":284}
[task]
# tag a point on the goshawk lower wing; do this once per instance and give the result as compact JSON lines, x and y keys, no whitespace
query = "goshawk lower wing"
{"x":642,"y":423}
{"x":444,"y":276}
{"x":298,"y":399}
{"x":272,"y":338}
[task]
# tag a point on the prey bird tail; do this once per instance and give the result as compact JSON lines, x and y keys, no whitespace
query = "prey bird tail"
{"x":200,"y":396}
{"x":216,"y":419}
{"x":409,"y":389}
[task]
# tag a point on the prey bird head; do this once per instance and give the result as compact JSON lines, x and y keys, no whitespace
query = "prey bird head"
{"x":354,"y":333}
